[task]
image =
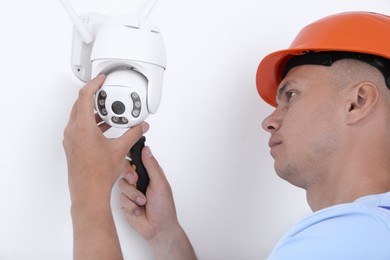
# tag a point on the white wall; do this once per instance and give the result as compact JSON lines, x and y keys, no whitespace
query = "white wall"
{"x":207,"y":133}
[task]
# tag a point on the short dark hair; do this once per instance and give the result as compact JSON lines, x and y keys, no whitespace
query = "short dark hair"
{"x":327,"y":58}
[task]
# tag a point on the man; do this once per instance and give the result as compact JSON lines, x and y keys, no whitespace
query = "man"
{"x":330,"y":135}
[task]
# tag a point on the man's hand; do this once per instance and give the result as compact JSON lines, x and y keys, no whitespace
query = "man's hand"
{"x":94,"y":164}
{"x":94,"y":161}
{"x":154,"y":215}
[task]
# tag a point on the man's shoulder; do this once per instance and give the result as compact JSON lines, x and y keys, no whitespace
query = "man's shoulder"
{"x":367,"y":213}
{"x":346,"y":231}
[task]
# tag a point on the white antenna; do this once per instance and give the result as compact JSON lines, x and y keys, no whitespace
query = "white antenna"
{"x":148,"y":8}
{"x":81,"y":28}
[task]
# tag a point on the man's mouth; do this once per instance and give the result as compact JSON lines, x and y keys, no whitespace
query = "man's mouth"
{"x":273,"y":143}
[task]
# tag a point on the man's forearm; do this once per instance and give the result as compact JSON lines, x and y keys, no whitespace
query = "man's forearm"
{"x":95,"y":235}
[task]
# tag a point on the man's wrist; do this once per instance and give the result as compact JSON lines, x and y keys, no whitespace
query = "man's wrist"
{"x":172,"y":244}
{"x":94,"y":231}
{"x":90,"y":196}
{"x":85,"y":206}
{"x":83,"y":211}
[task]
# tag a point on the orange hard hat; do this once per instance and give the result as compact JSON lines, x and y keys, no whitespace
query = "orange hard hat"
{"x":361,"y":32}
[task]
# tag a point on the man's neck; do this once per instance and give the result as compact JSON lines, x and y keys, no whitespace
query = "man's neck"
{"x":347,"y":189}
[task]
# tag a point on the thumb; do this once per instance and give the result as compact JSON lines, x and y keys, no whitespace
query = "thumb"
{"x":157,"y":179}
{"x":131,"y":136}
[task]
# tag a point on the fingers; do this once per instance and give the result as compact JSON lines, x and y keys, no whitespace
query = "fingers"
{"x":130,"y":208}
{"x":131,"y":192}
{"x":129,"y":173}
{"x":128,"y":184}
{"x":131,"y":136}
{"x":85,"y":102}
{"x":155,"y":172}
{"x":131,"y":200}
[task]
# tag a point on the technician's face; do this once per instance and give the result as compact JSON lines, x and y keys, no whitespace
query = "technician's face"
{"x":304,"y":125}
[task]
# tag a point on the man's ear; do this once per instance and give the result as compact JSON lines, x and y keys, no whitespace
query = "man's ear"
{"x":362,"y":99}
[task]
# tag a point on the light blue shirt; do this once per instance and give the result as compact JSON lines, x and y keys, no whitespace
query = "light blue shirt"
{"x":352,"y":231}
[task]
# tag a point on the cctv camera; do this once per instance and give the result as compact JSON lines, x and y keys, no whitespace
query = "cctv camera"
{"x":121,"y":101}
{"x":130,"y":51}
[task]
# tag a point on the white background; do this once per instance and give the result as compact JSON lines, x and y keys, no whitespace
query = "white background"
{"x":207,"y":133}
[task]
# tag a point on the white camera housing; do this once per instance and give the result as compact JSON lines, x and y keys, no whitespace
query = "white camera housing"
{"x":130,"y":51}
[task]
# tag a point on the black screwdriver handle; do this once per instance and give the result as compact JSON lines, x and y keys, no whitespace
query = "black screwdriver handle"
{"x":136,"y":163}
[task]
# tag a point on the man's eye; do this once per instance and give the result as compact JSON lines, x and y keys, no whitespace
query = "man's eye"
{"x":290,"y":94}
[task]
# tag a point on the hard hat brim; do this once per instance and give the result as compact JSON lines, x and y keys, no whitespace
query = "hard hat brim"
{"x":269,"y":73}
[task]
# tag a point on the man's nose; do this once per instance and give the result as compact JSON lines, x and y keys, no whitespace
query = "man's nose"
{"x":272,"y":122}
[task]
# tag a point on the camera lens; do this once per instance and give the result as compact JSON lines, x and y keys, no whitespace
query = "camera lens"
{"x":118,"y":107}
